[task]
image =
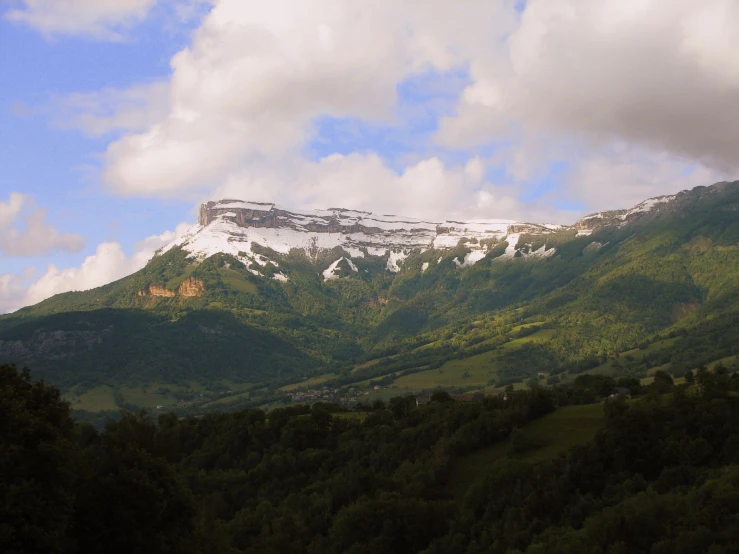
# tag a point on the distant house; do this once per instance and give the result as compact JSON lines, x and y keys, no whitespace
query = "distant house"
{"x":468,"y":397}
{"x":422,"y":399}
{"x":621,"y":392}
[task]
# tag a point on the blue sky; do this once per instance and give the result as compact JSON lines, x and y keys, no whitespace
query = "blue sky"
{"x":450,"y":111}
{"x":57,"y":166}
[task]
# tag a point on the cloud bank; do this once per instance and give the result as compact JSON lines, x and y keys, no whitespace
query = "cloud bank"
{"x":24,"y":230}
{"x":101,"y":19}
{"x":647,"y":84}
{"x":109,"y":263}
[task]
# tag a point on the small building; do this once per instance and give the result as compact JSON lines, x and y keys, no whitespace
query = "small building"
{"x":422,"y":399}
{"x":468,"y":397}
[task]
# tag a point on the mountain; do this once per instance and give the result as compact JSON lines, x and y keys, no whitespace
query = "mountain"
{"x":258,"y":296}
{"x":235,"y":227}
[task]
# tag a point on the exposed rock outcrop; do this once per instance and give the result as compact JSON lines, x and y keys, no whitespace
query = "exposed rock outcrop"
{"x":189,"y":288}
{"x":156,"y":290}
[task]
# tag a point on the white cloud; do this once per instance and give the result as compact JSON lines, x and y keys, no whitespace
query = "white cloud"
{"x":9,"y":210}
{"x":102,"y":19}
{"x":425,"y":189}
{"x":257,"y":74}
{"x":101,"y":112}
{"x":655,"y":73}
{"x":623,"y":177}
{"x":628,"y":95}
{"x":11,"y":293}
{"x":24,"y":230}
{"x":107,"y":264}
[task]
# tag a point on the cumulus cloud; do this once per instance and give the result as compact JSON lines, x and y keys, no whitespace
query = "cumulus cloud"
{"x":257,"y":75}
{"x":109,"y":263}
{"x":9,"y":210}
{"x":653,"y":73}
{"x":100,"y":112}
{"x":24,"y":230}
{"x":102,"y":19}
{"x":428,"y":188}
{"x":11,"y":293}
{"x":634,"y":98}
{"x":621,"y":177}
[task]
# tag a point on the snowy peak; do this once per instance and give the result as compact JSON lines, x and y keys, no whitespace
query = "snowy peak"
{"x":260,"y":233}
{"x":589,"y":223}
{"x":245,"y":229}
{"x":338,"y":220}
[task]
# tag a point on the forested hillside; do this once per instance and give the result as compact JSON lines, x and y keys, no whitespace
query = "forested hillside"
{"x":660,"y":475}
{"x":654,"y":291}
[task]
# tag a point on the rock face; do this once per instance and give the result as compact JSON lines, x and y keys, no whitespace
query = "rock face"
{"x":156,"y":290}
{"x":189,"y":288}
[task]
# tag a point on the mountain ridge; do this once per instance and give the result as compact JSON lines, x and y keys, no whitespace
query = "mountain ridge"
{"x":627,"y":278}
{"x":360,"y":233}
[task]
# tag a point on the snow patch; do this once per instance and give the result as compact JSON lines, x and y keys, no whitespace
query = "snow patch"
{"x":395,"y":260}
{"x":541,"y":252}
{"x":648,"y":205}
{"x":510,"y":250}
{"x":470,"y":259}
{"x":331,"y":272}
{"x":424,"y":267}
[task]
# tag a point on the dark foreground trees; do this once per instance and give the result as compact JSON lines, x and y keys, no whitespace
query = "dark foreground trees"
{"x":67,"y":489}
{"x":662,"y":476}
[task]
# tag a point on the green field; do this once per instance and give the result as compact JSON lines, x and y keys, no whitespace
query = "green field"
{"x":472,"y":372}
{"x":308,"y":383}
{"x":543,"y":335}
{"x":548,"y":437}
{"x":609,"y":367}
{"x":237,"y":281}
{"x":95,"y":400}
{"x":147,"y":397}
{"x":228,"y":399}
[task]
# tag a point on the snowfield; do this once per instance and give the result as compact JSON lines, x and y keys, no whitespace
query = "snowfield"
{"x":234,"y":227}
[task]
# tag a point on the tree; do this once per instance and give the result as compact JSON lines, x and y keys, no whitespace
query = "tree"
{"x":37,"y":465}
{"x":441,"y":396}
{"x":130,"y":498}
{"x":662,"y":381}
{"x":689,"y":377}
{"x":401,"y":405}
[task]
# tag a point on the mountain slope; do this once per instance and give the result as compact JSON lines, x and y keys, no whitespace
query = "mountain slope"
{"x":295,"y":292}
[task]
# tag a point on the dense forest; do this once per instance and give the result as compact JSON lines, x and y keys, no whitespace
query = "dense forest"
{"x":660,"y":476}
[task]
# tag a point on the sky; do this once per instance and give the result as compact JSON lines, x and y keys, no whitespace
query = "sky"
{"x":119,"y":117}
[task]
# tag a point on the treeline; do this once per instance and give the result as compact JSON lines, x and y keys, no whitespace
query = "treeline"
{"x":661,"y":477}
{"x":297,"y":480}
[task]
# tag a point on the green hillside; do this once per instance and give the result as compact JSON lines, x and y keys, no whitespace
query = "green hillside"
{"x":658,"y":291}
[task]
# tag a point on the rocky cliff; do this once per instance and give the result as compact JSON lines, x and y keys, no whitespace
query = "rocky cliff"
{"x":189,"y":288}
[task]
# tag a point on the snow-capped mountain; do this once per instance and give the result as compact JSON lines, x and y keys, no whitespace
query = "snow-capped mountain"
{"x":590,"y":222}
{"x":249,"y":231}
{"x":235,"y":227}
